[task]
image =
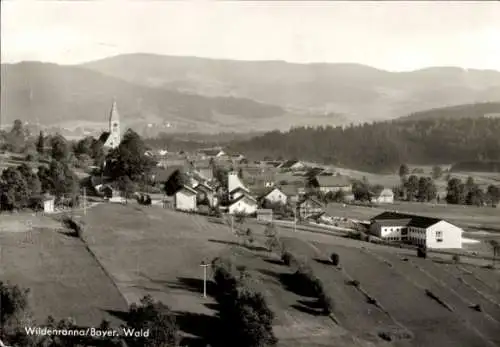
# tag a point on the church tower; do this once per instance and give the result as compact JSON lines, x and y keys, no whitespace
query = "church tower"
{"x":114,"y":136}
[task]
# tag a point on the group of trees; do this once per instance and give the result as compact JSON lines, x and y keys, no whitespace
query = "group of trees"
{"x":382,"y":146}
{"x":469,"y":193}
{"x":127,"y":165}
{"x":417,"y":188}
{"x":245,"y":317}
{"x":147,"y":315}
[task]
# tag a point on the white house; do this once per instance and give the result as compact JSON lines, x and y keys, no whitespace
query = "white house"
{"x":233,"y":181}
{"x":204,"y":190}
{"x":417,"y":230}
{"x":185,"y":199}
{"x":211,"y":153}
{"x":244,"y":204}
{"x":48,"y":204}
{"x":237,"y":192}
{"x":275,"y":196}
{"x":386,"y":196}
{"x":292,"y":165}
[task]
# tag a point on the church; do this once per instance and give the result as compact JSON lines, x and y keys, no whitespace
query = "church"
{"x":111,"y":138}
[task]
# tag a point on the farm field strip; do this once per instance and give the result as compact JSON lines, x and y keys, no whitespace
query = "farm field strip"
{"x":351,"y":306}
{"x":65,"y":280}
{"x":482,"y":322}
{"x":488,"y":277}
{"x":475,"y":285}
{"x":407,"y":303}
{"x":290,"y":323}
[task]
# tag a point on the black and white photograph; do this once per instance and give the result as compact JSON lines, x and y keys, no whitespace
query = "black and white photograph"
{"x":249,"y":173}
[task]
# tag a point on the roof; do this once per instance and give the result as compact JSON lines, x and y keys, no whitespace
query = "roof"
{"x":191,"y":190}
{"x":210,"y":151}
{"x":203,"y":185}
{"x":288,"y":164}
{"x":314,"y":201}
{"x":333,"y":181}
{"x":104,"y":137}
{"x":163,"y":174}
{"x":241,"y":198}
{"x":239,"y":188}
{"x":406,"y":219}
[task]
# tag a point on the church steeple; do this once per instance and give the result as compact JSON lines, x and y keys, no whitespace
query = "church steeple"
{"x":114,"y":137}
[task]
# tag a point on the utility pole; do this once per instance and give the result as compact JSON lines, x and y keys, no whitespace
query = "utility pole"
{"x":204,"y":265}
{"x":84,"y":201}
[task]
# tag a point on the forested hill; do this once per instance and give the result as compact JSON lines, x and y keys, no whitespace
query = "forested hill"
{"x":479,"y":110}
{"x":383,"y":146}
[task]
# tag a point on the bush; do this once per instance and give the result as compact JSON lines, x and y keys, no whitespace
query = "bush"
{"x":246,"y":319}
{"x":155,"y":317}
{"x":286,"y":257}
{"x":456,"y":258}
{"x":334,"y":257}
{"x":75,"y":227}
{"x":14,"y":300}
{"x":422,"y":252}
{"x":354,"y":283}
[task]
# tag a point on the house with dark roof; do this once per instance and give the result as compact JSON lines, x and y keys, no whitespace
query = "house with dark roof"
{"x":292,"y":165}
{"x":211,"y":153}
{"x":273,"y":195}
{"x":309,"y":207}
{"x":243,"y":204}
{"x":334,"y":184}
{"x":206,"y":193}
{"x":418,"y":230}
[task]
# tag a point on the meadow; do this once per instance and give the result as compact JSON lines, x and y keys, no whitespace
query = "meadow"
{"x":132,"y":250}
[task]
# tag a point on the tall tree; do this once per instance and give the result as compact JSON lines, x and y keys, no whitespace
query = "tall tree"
{"x":130,"y":159}
{"x":404,"y":171}
{"x":411,"y":187}
{"x":60,"y":148}
{"x":455,"y":192}
{"x":40,"y":144}
{"x":14,"y":191}
{"x":17,"y":137}
{"x":493,"y":194}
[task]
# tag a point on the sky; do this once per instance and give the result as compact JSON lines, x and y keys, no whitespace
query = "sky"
{"x":395,"y":36}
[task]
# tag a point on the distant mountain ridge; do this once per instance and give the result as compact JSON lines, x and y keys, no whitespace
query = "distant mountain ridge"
{"x":184,"y":94}
{"x":71,"y":96}
{"x":360,"y":92}
{"x":479,"y":110}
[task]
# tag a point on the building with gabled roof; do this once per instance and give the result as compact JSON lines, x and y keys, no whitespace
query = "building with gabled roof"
{"x":309,"y":207}
{"x":243,"y":204}
{"x":418,"y":230}
{"x":292,"y":165}
{"x":185,"y":199}
{"x":334,"y":183}
{"x":111,"y":138}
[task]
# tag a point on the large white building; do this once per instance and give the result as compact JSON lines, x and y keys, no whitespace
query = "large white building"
{"x":417,"y":230}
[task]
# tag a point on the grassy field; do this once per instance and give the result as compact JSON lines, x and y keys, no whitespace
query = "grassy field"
{"x":135,"y":250}
{"x":399,"y":287}
{"x":158,"y":252}
{"x":65,"y":280}
{"x":468,"y":217}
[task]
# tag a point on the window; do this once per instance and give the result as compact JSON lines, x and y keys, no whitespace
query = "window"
{"x":439,"y":236}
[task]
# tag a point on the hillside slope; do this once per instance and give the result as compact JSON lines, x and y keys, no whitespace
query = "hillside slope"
{"x":361,"y":92}
{"x":479,"y":110}
{"x":70,"y":96}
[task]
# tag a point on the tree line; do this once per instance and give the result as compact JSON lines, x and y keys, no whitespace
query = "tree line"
{"x":382,"y":146}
